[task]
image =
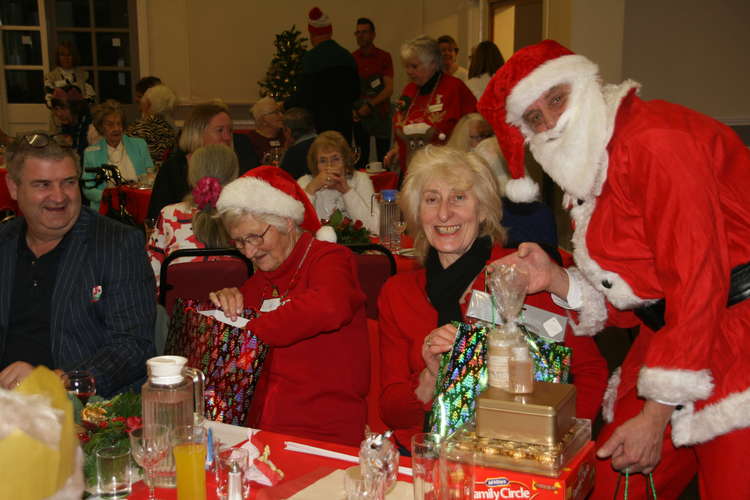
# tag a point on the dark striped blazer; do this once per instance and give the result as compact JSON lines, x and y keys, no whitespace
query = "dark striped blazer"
{"x":103,"y":304}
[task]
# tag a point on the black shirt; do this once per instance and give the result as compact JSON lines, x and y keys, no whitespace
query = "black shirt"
{"x":28,"y":337}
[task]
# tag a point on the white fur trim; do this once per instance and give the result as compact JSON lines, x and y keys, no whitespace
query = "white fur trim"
{"x":592,"y":316}
{"x":564,"y":69}
{"x":523,"y":190}
{"x":730,"y":413}
{"x":257,"y":196}
{"x":674,"y":386}
{"x":610,"y":396}
{"x":326,"y":233}
{"x":619,"y":292}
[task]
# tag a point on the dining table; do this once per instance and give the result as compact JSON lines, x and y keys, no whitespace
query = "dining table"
{"x":300,"y":470}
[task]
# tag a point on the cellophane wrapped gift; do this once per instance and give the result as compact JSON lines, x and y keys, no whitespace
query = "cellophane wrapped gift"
{"x":39,"y":453}
{"x":463,"y":375}
{"x":231,"y":358}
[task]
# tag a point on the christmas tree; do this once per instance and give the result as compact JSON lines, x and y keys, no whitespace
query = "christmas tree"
{"x":281,"y":78}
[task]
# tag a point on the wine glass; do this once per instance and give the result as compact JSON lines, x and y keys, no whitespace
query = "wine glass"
{"x":356,"y":153}
{"x":400,"y":227}
{"x":81,"y":383}
{"x":149,"y":446}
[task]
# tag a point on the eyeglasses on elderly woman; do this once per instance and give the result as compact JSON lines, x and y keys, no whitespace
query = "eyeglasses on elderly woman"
{"x":255,"y":240}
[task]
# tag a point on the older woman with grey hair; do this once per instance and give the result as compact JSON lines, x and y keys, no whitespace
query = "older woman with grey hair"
{"x":312,"y":310}
{"x":129,"y":154}
{"x":155,"y":125}
{"x":430,"y":105}
{"x":269,"y":129}
{"x":451,"y":202}
{"x":208,"y":123}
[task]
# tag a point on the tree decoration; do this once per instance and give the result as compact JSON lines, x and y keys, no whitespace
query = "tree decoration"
{"x":280,"y":81}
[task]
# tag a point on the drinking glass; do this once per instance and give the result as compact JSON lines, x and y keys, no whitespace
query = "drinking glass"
{"x":149,"y":445}
{"x":80,"y":383}
{"x":189,"y":451}
{"x":457,"y":463}
{"x":425,"y":461}
{"x":356,"y":153}
{"x":400,"y":226}
{"x":232,"y":467}
{"x":113,"y":472}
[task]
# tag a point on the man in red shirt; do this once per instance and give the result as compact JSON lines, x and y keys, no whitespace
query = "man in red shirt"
{"x":372,"y":113}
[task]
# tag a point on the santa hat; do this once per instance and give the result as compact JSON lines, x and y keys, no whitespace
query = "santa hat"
{"x":523,"y":79}
{"x":271,"y":190}
{"x":318,"y":23}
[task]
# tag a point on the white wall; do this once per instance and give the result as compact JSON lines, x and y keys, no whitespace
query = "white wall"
{"x":691,"y":52}
{"x":221,"y":49}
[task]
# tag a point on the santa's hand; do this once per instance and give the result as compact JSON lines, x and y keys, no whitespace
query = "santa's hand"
{"x":544,"y":274}
{"x":636,"y":445}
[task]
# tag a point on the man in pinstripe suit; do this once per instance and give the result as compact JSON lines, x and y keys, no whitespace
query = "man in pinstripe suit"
{"x":76,"y":289}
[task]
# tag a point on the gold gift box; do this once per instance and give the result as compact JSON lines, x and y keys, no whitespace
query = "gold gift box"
{"x":542,"y":417}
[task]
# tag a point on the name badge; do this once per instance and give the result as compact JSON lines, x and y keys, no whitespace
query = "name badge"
{"x":546,"y":324}
{"x":434,"y":108}
{"x":375,"y":83}
{"x":269,"y":305}
{"x":274,"y":144}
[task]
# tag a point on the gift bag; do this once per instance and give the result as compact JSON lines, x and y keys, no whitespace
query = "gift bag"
{"x":551,"y":359}
{"x":463,"y":375}
{"x":231,"y":358}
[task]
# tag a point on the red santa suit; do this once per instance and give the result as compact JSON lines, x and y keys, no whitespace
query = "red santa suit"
{"x":662,"y":212}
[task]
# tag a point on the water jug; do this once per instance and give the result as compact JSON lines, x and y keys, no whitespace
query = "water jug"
{"x":173,"y":396}
{"x":390,"y":217}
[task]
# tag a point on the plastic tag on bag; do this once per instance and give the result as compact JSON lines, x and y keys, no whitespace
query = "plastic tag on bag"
{"x":546,"y":324}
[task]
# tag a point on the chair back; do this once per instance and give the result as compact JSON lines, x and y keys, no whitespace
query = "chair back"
{"x":375,"y":264}
{"x":195,"y":280}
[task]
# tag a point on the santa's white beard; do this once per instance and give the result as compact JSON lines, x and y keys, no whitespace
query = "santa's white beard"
{"x":574,"y":152}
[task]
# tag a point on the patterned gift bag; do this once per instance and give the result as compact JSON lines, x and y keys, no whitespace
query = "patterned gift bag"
{"x":231,"y":358}
{"x":462,"y":376}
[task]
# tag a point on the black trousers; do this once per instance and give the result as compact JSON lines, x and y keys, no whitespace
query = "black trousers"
{"x":362,"y":139}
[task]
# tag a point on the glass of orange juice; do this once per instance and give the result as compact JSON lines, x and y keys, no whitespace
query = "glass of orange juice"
{"x":190,"y":459}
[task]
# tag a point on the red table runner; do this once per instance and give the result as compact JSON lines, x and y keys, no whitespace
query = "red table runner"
{"x":300,"y":470}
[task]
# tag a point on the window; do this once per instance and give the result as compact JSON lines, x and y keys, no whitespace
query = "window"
{"x":22,"y":53}
{"x":103,"y":33}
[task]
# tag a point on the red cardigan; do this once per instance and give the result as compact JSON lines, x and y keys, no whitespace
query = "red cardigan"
{"x":315,"y":381}
{"x":406,"y":317}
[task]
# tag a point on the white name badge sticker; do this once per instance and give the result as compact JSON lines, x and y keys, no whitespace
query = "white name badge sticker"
{"x":270,"y":305}
{"x":375,"y":83}
{"x":434,"y":108}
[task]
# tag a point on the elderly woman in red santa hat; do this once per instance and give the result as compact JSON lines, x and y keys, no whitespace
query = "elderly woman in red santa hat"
{"x":658,"y":194}
{"x":311,"y":307}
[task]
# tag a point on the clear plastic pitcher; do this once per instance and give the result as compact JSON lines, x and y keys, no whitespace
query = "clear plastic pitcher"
{"x":173,"y":396}
{"x":390,"y":218}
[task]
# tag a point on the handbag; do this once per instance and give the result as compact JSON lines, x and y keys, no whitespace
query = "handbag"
{"x":231,"y":358}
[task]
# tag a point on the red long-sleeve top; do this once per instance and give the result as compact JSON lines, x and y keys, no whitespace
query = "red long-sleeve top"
{"x":406,"y":317}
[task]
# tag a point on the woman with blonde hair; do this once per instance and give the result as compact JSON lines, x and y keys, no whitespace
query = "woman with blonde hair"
{"x":155,"y":124}
{"x":192,"y":222}
{"x":334,"y":184}
{"x":451,"y":201}
{"x":208,"y":123}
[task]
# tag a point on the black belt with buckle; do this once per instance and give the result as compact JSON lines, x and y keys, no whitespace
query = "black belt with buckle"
{"x":739,"y":289}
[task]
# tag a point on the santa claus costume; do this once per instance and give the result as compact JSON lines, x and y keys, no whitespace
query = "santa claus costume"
{"x":658,"y":197}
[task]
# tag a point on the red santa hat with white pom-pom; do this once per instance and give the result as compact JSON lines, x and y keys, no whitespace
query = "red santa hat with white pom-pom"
{"x":271,"y":190}
{"x":318,"y":22}
{"x":517,"y":84}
